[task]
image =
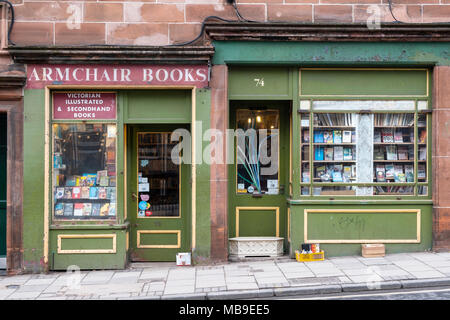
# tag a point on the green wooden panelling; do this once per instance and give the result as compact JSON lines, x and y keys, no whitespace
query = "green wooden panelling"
{"x":3,"y":144}
{"x":158,"y":106}
{"x":263,"y":82}
{"x":266,"y":226}
{"x":159,"y":239}
{"x":332,"y":53}
{"x":33,"y":180}
{"x":364,"y":82}
{"x":396,"y":228}
{"x":358,"y":225}
{"x":87,"y":261}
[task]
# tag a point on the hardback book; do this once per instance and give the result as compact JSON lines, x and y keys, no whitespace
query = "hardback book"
{"x":409,"y":172}
{"x":337,"y":176}
{"x":328,"y":137}
{"x":380,"y":173}
{"x":337,"y":136}
{"x":391,"y":153}
{"x":91,"y":180}
{"x":378,"y":153}
{"x":320,"y":171}
{"x":68,"y":209}
{"x":95,"y":209}
{"x":112,"y":209}
{"x":305,"y":176}
{"x":423,"y":136}
{"x":402,"y":153}
{"x":347,"y":173}
{"x":377,"y":136}
{"x":104,"y":209}
{"x":318,"y":136}
{"x":306,"y":136}
{"x":398,"y":136}
{"x":398,"y":168}
{"x":59,"y":193}
{"x":399,"y":177}
{"x":87,"y":208}
{"x":387,"y":135}
{"x":101,"y":173}
{"x":346,"y":136}
{"x":104,"y":181}
{"x":76,"y":192}
{"x":338,"y":153}
{"x":67,"y":193}
{"x":329,"y":153}
{"x":59,"y":209}
{"x":319,"y":153}
{"x":78,"y":209}
{"x":421,"y":173}
{"x":85,"y":192}
{"x":82,"y":181}
{"x":93,"y":193}
{"x":422,"y":153}
{"x":348,"y":153}
{"x":101,"y":192}
{"x":389,"y":171}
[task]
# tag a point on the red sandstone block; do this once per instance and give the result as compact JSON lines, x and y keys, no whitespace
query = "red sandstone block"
{"x":43,"y":11}
{"x":32,"y":33}
{"x":301,"y":1}
{"x":443,"y":181}
{"x":138,"y":33}
{"x":183,"y":32}
{"x":332,"y":13}
{"x":436,"y":13}
{"x":103,"y":12}
{"x":441,"y":96}
{"x":404,"y":13}
{"x":150,"y":12}
{"x":197,"y":12}
{"x":348,"y":1}
{"x":294,"y":13}
{"x":88,"y":33}
{"x":395,"y":2}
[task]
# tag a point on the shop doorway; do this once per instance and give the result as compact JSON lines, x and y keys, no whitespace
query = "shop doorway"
{"x":158,"y":203}
{"x":259,"y":187}
{"x":3,"y":143}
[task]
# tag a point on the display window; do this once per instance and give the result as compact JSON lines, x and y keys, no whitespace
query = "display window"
{"x":371,"y":148}
{"x":84,"y":171}
{"x":257,"y":151}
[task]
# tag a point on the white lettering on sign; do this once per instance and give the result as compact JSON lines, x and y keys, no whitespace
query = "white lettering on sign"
{"x":41,"y":75}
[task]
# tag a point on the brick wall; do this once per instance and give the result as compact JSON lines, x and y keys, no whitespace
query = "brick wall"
{"x":160,"y":22}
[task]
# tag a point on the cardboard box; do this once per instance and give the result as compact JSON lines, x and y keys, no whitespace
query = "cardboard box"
{"x":373,"y":250}
{"x":184,"y":259}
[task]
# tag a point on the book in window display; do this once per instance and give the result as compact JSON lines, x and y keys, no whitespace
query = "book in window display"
{"x":337,"y":136}
{"x":346,"y":136}
{"x":409,"y":173}
{"x":380,"y":173}
{"x":338,"y":153}
{"x":328,"y":137}
{"x":329,"y":154}
{"x":87,"y":162}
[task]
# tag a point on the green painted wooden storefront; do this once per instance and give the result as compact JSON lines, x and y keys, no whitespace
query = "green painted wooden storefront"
{"x":264,"y":73}
{"x":112,"y":244}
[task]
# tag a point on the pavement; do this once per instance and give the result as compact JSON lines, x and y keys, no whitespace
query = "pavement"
{"x":261,"y":278}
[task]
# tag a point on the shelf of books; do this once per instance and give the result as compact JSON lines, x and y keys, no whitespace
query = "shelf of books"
{"x":84,"y":172}
{"x":394,"y":152}
{"x":399,"y":149}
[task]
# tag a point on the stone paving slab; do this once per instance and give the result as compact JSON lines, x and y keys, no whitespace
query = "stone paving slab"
{"x":160,"y":281}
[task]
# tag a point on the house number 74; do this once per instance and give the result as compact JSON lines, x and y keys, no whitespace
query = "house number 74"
{"x":259,"y":82}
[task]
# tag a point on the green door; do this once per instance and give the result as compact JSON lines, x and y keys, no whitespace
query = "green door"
{"x":259,"y":177}
{"x":2,"y":184}
{"x":158,"y":195}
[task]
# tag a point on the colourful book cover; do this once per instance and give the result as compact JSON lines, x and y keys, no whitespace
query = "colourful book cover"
{"x":102,"y":193}
{"x":318,"y":136}
{"x":93,"y":193}
{"x":328,"y":137}
{"x":87,"y":208}
{"x":398,"y":136}
{"x":389,"y":171}
{"x":112,"y":209}
{"x":68,"y":209}
{"x":95,"y":209}
{"x":346,"y":136}
{"x":337,"y":176}
{"x":409,"y":173}
{"x":329,"y":153}
{"x":67,"y":193}
{"x":85,"y":192}
{"x":104,"y":209}
{"x":59,"y":209}
{"x":348,"y":154}
{"x":104,"y":181}
{"x":337,"y":136}
{"x":338,"y":153}
{"x":381,"y":173}
{"x":76,"y":192}
{"x":59,"y":193}
{"x":78,"y":209}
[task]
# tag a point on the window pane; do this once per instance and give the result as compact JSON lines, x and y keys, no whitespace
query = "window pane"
{"x":257,"y":151}
{"x":84,"y":171}
{"x":158,"y":176}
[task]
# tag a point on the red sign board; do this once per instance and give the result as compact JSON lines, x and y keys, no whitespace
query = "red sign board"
{"x":39,"y":76}
{"x":84,"y":105}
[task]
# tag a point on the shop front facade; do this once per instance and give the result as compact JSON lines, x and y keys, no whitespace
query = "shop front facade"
{"x":353,"y":133}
